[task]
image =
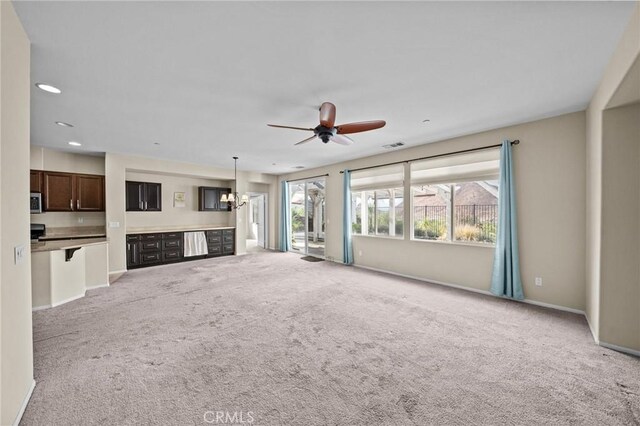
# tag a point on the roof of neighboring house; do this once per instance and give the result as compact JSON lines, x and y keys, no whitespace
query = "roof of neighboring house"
{"x":467,"y":193}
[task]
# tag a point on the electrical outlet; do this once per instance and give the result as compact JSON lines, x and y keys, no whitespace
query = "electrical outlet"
{"x":81,"y":220}
{"x":114,"y":224}
{"x":359,"y":252}
{"x":19,"y":253}
{"x":539,"y":281}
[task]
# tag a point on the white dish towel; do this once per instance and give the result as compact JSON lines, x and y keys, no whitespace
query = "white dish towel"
{"x":195,"y":244}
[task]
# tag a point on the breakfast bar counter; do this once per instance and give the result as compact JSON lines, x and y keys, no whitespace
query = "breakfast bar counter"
{"x":63,"y":270}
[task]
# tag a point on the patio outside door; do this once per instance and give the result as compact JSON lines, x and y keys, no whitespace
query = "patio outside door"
{"x":308,"y":216}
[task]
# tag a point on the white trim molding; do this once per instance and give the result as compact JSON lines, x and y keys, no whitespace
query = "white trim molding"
{"x":98,"y":286}
{"x":71,"y":299}
{"x":25,"y":402}
{"x":622,"y":349}
{"x":552,"y":306}
{"x":475,"y":290}
{"x":593,"y":331}
{"x":528,"y":301}
{"x":40,"y":308}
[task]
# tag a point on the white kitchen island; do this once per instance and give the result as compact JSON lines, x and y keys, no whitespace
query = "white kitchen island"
{"x":63,"y":270}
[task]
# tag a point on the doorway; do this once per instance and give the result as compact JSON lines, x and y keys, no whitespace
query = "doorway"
{"x":307,"y":209}
{"x":257,"y":222}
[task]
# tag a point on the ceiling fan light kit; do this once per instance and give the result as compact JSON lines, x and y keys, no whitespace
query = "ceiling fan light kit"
{"x":327,"y":130}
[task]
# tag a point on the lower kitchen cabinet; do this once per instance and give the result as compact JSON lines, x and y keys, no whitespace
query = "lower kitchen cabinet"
{"x":168,"y":247}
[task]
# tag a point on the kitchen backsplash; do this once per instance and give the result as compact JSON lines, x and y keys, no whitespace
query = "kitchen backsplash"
{"x":66,"y":219}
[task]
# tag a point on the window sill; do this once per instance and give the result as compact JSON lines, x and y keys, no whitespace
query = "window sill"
{"x":455,"y":243}
{"x":382,"y":237}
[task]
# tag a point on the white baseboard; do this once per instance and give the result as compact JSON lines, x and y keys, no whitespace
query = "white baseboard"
{"x":593,"y":331}
{"x":552,"y":306}
{"x":475,"y":290}
{"x":122,"y":271}
{"x":620,"y":348}
{"x":40,"y":308}
{"x":461,"y":287}
{"x":23,"y":407}
{"x":71,"y":299}
{"x":98,"y":286}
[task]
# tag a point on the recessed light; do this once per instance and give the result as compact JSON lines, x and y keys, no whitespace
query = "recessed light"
{"x":425,"y":120}
{"x":298,"y":167}
{"x":48,"y":88}
{"x":73,"y":143}
{"x":63,"y":124}
{"x":156,"y":143}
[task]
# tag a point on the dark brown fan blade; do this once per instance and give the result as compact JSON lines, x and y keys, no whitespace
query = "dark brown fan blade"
{"x":327,"y":115}
{"x":306,"y":140}
{"x":289,"y":127}
{"x":361,"y":126}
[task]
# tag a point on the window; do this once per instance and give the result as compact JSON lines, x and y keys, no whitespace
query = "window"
{"x":473,"y":218}
{"x":381,"y":209}
{"x":377,"y":197}
{"x":431,"y":212}
{"x":465,"y":210}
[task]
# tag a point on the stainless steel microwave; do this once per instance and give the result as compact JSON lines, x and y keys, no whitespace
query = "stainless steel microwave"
{"x":36,"y":202}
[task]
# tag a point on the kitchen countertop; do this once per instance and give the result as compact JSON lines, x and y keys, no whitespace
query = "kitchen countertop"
{"x":65,"y":244}
{"x":186,"y":228}
{"x":73,"y":232}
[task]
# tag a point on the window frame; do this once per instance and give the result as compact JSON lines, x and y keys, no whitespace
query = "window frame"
{"x":451,"y":219}
{"x":394,"y":193}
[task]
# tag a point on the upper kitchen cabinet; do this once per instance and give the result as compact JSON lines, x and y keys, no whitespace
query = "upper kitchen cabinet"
{"x":36,"y":180}
{"x":67,"y":192}
{"x":59,"y":192}
{"x":209,"y":199}
{"x":90,"y":193}
{"x":144,"y":196}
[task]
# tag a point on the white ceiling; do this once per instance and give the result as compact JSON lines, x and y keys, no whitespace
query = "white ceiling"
{"x":203,"y":79}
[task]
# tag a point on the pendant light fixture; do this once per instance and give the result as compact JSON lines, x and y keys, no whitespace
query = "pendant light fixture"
{"x":234,"y":198}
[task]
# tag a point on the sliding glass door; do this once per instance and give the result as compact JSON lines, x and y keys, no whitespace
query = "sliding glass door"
{"x":307,"y":209}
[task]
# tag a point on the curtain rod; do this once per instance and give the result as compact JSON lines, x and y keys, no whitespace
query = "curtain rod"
{"x":307,"y":178}
{"x":515,"y":142}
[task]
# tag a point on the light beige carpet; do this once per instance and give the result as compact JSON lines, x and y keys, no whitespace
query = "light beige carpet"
{"x":280,"y":341}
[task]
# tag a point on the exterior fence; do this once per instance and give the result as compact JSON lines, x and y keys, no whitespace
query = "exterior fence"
{"x":473,"y":222}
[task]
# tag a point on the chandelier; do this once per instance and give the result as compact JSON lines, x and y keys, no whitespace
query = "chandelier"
{"x":234,"y":198}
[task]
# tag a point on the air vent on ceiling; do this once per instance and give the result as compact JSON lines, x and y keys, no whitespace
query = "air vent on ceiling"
{"x":298,"y":167}
{"x":393,"y":145}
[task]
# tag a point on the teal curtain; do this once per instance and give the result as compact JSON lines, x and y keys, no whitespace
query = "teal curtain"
{"x":506,"y":279}
{"x":285,"y":226}
{"x":347,"y":246}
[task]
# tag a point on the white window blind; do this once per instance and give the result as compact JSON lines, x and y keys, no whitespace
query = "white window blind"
{"x":471,"y":166}
{"x":378,"y":178}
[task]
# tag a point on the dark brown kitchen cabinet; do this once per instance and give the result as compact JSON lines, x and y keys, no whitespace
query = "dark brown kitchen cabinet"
{"x":133,"y":251}
{"x":221,"y":242}
{"x":68,"y":192}
{"x":168,"y":247}
{"x":36,"y":180}
{"x":143,"y":196}
{"x":209,"y":199}
{"x":90,"y":193}
{"x":59,"y":192}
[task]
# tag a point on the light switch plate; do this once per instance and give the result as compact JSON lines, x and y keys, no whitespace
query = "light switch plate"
{"x":114,"y":224}
{"x":20,"y":252}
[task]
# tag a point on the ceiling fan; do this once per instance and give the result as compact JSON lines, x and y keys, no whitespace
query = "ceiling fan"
{"x":327,"y":130}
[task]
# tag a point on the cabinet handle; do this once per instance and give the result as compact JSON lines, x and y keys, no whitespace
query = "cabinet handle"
{"x":141,"y":205}
{"x":78,"y":204}
{"x":71,"y":204}
{"x":146,"y":205}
